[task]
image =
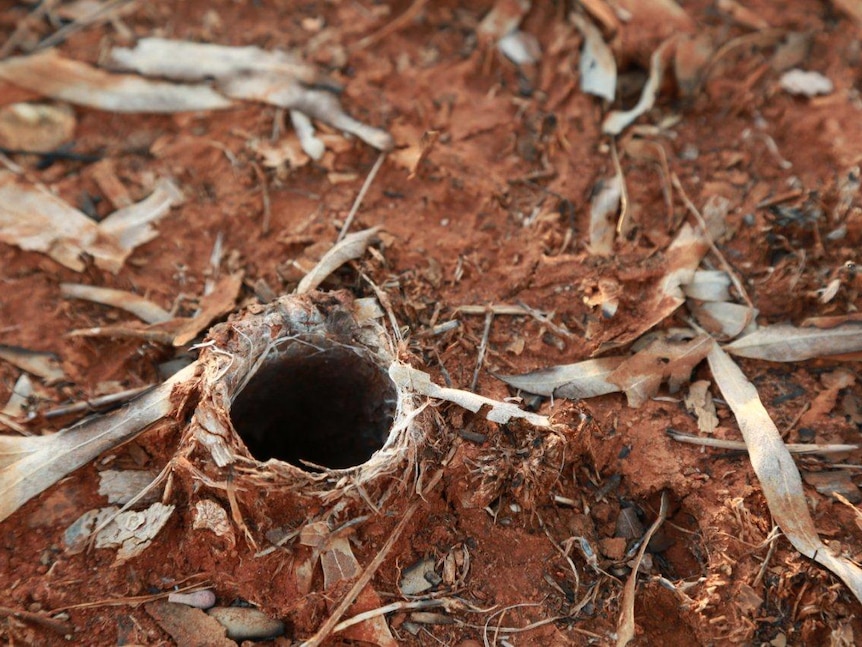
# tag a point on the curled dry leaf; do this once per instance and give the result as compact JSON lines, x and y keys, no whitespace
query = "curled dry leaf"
{"x":783,"y":343}
{"x":641,"y":375}
{"x":214,"y":305}
{"x":520,"y":47}
{"x":826,"y":400}
{"x":724,"y":319}
{"x":597,"y":66}
{"x":407,"y":377}
{"x":51,"y":75}
{"x":350,"y":248}
{"x":618,"y":120}
{"x":586,"y":379}
{"x":776,"y":471}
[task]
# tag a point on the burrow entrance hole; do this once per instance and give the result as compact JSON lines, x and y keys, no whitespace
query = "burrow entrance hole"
{"x":318,"y":402}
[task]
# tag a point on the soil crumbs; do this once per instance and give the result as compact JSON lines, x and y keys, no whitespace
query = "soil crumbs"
{"x":486,"y":200}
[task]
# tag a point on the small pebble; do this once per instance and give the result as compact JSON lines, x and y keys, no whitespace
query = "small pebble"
{"x":245,"y":623}
{"x":199,"y":599}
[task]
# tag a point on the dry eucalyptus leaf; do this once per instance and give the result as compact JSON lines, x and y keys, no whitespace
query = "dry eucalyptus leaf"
{"x":420,"y":382}
{"x":776,"y":470}
{"x":214,"y":305}
{"x":641,"y":375}
{"x":45,"y":365}
{"x":142,"y":308}
{"x":51,"y":75}
{"x":121,"y":486}
{"x":586,"y":379}
{"x":35,"y":220}
{"x":251,"y":74}
{"x":32,"y":464}
{"x":132,"y":226}
{"x":708,"y":285}
{"x":784,"y":343}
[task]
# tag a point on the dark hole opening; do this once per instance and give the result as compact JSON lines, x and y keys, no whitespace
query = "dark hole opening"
{"x":324,"y":404}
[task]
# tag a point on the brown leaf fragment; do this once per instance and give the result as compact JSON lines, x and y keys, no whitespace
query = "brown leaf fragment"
{"x":216,"y":304}
{"x":338,"y":562}
{"x":45,"y":365}
{"x":825,"y":402}
{"x":776,"y":471}
{"x":784,"y":343}
{"x":54,"y":76}
{"x":699,"y":402}
{"x":641,"y":375}
{"x":187,"y":625}
{"x":682,"y":257}
{"x":832,"y":481}
{"x":586,"y":379}
{"x":851,"y":406}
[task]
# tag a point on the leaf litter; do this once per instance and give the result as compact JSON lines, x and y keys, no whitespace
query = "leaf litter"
{"x":716,"y":313}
